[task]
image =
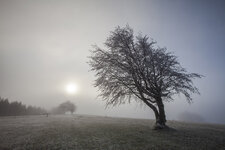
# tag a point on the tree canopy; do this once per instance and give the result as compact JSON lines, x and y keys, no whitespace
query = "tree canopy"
{"x":64,"y":107}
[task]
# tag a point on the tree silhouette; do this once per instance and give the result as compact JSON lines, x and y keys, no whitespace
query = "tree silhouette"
{"x":67,"y":106}
{"x":136,"y":68}
{"x":64,"y":107}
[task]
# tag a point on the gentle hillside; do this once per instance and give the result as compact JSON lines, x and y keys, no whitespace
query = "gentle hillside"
{"x":82,"y":132}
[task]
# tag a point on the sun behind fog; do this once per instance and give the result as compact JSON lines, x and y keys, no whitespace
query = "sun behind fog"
{"x":71,"y":88}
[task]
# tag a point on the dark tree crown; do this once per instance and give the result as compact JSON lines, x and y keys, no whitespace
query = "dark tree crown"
{"x":134,"y":67}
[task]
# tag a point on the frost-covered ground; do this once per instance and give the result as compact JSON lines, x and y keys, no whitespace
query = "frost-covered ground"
{"x":82,"y":132}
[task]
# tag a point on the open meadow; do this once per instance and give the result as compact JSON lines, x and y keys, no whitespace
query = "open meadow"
{"x":83,"y":132}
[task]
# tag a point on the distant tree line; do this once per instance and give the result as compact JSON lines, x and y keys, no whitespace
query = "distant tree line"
{"x":17,"y":108}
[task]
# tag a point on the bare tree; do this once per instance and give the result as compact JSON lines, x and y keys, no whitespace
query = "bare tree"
{"x":135,"y":68}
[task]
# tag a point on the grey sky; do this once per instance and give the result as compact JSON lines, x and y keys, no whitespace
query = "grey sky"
{"x":45,"y":43}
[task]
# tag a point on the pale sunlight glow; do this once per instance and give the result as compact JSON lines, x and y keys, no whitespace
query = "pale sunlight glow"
{"x":71,"y":88}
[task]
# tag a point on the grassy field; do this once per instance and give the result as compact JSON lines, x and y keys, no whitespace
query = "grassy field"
{"x":82,"y":132}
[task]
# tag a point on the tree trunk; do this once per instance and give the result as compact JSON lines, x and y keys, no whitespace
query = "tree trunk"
{"x":160,"y":116}
{"x":161,"y":119}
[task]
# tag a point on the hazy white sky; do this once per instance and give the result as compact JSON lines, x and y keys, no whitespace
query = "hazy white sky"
{"x":44,"y":45}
